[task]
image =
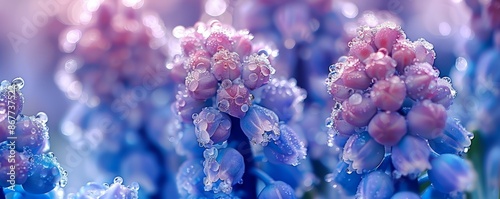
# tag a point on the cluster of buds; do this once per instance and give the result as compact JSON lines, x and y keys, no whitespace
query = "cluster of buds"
{"x":390,"y":118}
{"x":226,"y":92}
{"x":26,"y":164}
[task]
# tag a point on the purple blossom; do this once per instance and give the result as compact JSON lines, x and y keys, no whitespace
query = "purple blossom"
{"x":26,"y":161}
{"x":450,"y":173}
{"x":391,"y":104}
{"x":212,"y":126}
{"x":240,"y":117}
{"x":260,"y":125}
{"x":411,"y":156}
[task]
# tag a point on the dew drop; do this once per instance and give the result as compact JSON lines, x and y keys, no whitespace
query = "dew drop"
{"x":263,"y":53}
{"x":18,"y":82}
{"x":244,"y":108}
{"x":118,"y":180}
{"x":42,"y":117}
{"x":355,"y":99}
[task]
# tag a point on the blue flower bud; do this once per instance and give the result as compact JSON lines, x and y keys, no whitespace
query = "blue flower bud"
{"x":283,"y":97}
{"x":189,"y":178}
{"x":405,"y":195}
{"x":287,"y":149}
{"x":277,"y":189}
{"x":342,"y":178}
{"x":260,"y":125}
{"x":376,"y":185}
{"x":185,"y":106}
{"x":455,"y":139}
{"x":450,"y":173}
{"x":211,"y":126}
{"x":223,"y":168}
{"x":32,"y":133}
{"x":46,"y":175}
{"x":411,"y":156}
{"x":363,"y":153}
{"x":339,"y":140}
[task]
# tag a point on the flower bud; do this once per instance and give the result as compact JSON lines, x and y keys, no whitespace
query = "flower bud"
{"x":199,"y":60}
{"x":376,"y":185}
{"x":361,"y":50}
{"x":226,"y":65}
{"x":242,"y":45}
{"x":404,"y":54}
{"x":191,"y":43}
{"x":217,"y":40}
{"x":379,"y":65}
{"x":455,"y":138}
{"x":46,"y":175}
{"x":387,"y":35}
{"x":387,"y":128}
{"x":424,"y":51}
{"x":201,"y":84}
{"x":287,"y":149}
{"x":427,"y":119}
{"x":389,"y":94}
{"x":257,"y":71}
{"x":233,"y":99}
{"x":32,"y":133}
{"x":189,"y":178}
{"x":283,"y":97}
{"x":345,"y":179}
{"x":354,"y":75}
{"x":421,"y":81}
{"x":451,"y":173}
{"x":363,"y":153}
{"x":211,"y":126}
{"x":411,"y":156}
{"x":444,"y":92}
{"x":337,"y":88}
{"x":185,"y":106}
{"x":358,"y":110}
{"x":260,"y":125}
{"x":277,"y":189}
{"x":223,"y":169}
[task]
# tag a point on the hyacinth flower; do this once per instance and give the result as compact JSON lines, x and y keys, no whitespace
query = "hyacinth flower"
{"x":116,"y":52}
{"x":115,"y":70}
{"x":28,"y":168}
{"x":477,"y":101}
{"x":391,"y":120}
{"x":242,"y":116}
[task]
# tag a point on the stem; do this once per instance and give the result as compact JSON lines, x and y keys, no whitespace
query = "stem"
{"x":242,"y":145}
{"x":262,"y":176}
